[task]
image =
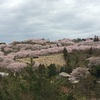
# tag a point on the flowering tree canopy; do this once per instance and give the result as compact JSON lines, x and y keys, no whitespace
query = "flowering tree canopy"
{"x":79,"y":73}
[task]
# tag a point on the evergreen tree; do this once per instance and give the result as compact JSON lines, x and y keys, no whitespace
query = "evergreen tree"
{"x":41,"y":69}
{"x":65,"y":52}
{"x":52,"y":70}
{"x":96,"y":38}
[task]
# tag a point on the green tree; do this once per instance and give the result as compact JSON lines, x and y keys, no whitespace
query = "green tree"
{"x":41,"y":69}
{"x":76,"y":61}
{"x":95,"y":71}
{"x":68,"y":69}
{"x":65,"y":53}
{"x":96,"y":38}
{"x":91,"y":51}
{"x":52,"y":71}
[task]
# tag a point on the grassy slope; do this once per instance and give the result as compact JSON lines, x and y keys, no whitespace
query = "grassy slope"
{"x":48,"y":59}
{"x":58,"y":59}
{"x":53,"y":58}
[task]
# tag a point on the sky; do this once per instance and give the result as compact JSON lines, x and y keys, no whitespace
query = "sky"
{"x":49,"y":19}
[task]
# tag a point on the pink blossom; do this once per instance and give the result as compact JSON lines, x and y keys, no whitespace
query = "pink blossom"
{"x":8,"y":49}
{"x":22,"y":54}
{"x":36,"y":47}
{"x":79,"y":73}
{"x":11,"y":55}
{"x":1,"y":53}
{"x":3,"y":45}
{"x":5,"y":61}
{"x":65,"y":41}
{"x":16,"y":66}
{"x":93,"y":61}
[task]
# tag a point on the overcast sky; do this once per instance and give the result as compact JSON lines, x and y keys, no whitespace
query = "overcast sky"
{"x":50,"y":19}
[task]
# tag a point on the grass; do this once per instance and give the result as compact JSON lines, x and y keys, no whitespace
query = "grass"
{"x":56,"y":59}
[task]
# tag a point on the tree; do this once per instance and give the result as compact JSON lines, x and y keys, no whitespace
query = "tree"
{"x":41,"y":69}
{"x":96,"y":38}
{"x":80,"y":73}
{"x":38,"y":86}
{"x":52,"y":70}
{"x":65,"y":52}
{"x":62,"y":69}
{"x":76,"y":61}
{"x":95,"y":71}
{"x":68,"y":69}
{"x":91,"y":51}
{"x":68,"y":61}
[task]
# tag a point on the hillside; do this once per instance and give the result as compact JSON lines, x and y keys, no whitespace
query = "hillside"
{"x":44,"y":70}
{"x":47,"y":51}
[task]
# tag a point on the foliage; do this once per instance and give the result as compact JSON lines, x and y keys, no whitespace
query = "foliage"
{"x":96,"y":38}
{"x":80,"y":73}
{"x":52,"y":71}
{"x":41,"y":69}
{"x":28,"y":85}
{"x":91,"y":51}
{"x":68,"y":69}
{"x":76,"y":61}
{"x":95,"y":70}
{"x":69,"y":96}
{"x":87,"y":88}
{"x":65,"y":52}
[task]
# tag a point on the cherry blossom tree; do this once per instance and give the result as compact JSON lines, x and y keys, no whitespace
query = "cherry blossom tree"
{"x":16,"y":66}
{"x":5,"y":61}
{"x":79,"y":73}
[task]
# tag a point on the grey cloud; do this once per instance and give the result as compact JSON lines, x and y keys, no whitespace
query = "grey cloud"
{"x":48,"y":18}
